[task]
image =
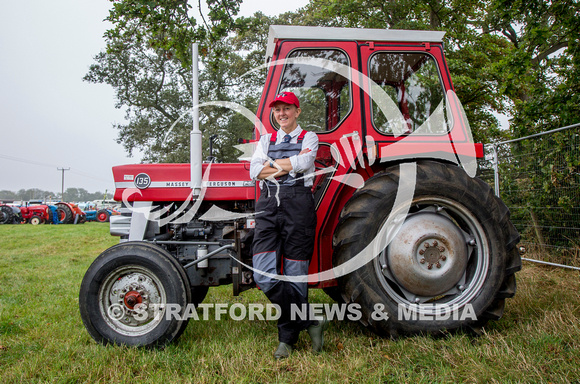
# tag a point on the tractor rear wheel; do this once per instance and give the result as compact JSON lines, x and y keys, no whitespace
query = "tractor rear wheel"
{"x":6,"y":215}
{"x":135,"y":294}
{"x":65,"y":214}
{"x":450,"y":265}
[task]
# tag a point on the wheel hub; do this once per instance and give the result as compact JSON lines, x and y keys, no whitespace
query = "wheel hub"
{"x":133,"y":298}
{"x":432,"y":254}
{"x":131,"y":290}
{"x":429,"y":254}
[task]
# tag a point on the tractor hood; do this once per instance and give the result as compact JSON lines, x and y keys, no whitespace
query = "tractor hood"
{"x":172,"y":182}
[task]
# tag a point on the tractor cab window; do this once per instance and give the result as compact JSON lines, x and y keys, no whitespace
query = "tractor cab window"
{"x":407,"y":94}
{"x":319,"y":77}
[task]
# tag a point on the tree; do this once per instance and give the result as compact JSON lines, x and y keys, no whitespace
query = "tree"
{"x":81,"y":194}
{"x":540,"y":75}
{"x":34,"y":194}
{"x":148,"y":62}
{"x":8,"y":195}
{"x":540,"y":71}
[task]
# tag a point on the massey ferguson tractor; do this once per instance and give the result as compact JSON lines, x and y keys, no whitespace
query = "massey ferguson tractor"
{"x":404,"y":230}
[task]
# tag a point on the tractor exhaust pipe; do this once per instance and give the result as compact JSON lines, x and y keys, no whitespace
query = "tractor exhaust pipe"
{"x":195,"y":149}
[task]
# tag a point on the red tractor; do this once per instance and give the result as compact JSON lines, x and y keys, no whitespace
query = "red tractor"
{"x":69,"y":213}
{"x":36,"y":214}
{"x":403,"y":226}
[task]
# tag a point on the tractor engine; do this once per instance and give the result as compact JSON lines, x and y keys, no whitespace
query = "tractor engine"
{"x":209,"y":234}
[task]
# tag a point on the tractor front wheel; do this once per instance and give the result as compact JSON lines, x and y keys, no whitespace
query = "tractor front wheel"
{"x":103,"y":216}
{"x":449,"y":265}
{"x":135,"y":294}
{"x":36,"y":220}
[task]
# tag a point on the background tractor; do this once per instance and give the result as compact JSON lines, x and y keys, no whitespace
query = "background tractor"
{"x":99,"y":210}
{"x":36,"y":214}
{"x":402,"y":223}
{"x":69,"y":213}
{"x":102,"y":215}
{"x":10,"y":214}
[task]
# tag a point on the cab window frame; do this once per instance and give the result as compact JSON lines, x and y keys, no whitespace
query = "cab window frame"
{"x":448,"y":119}
{"x":342,"y":116}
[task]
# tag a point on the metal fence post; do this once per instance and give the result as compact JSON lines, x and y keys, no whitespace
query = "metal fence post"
{"x":495,"y":163}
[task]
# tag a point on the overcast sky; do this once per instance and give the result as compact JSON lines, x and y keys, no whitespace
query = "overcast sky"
{"x":49,"y":117}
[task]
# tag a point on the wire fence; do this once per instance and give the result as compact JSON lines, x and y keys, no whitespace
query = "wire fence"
{"x":538,"y":178}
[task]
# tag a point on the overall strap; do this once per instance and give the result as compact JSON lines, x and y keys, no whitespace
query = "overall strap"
{"x":300,"y":137}
{"x":285,"y":150}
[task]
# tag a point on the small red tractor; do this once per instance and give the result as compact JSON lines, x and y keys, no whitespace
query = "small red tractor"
{"x":36,"y":214}
{"x":404,"y":230}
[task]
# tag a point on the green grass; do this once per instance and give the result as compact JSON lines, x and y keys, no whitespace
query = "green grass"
{"x":42,"y":338}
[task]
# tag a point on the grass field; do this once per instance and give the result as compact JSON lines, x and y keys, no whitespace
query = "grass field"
{"x":42,"y":338}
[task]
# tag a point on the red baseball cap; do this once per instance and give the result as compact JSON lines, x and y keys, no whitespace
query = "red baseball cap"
{"x":286,"y":97}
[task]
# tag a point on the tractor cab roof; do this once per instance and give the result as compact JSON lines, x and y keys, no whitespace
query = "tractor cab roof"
{"x":290,"y":32}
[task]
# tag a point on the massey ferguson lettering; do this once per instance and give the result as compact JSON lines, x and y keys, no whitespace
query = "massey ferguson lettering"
{"x":225,"y":184}
{"x":143,"y":181}
{"x":177,"y":184}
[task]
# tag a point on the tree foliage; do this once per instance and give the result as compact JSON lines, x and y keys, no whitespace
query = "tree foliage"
{"x":540,"y":71}
{"x":506,"y":56}
{"x":80,"y":194}
{"x":71,"y":194}
{"x":148,"y":62}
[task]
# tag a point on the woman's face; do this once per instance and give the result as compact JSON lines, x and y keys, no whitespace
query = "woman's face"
{"x":286,"y":115}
